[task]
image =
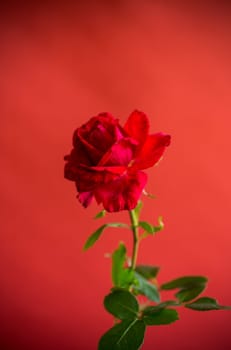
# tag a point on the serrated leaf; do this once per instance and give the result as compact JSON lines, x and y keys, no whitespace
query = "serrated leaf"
{"x":185,"y":282}
{"x":185,"y":295}
{"x":206,"y":304}
{"x":147,"y":271}
{"x":128,"y":334}
{"x":96,"y":235}
{"x":121,"y":277}
{"x":122,"y":304}
{"x":144,"y":287}
{"x":101,"y":214}
{"x":161,"y":317}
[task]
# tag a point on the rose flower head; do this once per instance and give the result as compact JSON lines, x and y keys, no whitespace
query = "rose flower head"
{"x":107,"y":160}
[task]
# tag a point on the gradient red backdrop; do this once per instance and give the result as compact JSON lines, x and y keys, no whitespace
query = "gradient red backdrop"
{"x":63,"y":63}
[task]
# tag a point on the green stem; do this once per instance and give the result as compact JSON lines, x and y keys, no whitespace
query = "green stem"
{"x":134,"y":221}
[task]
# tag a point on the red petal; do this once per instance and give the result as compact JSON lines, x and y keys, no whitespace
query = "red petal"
{"x":93,"y":153}
{"x":89,"y":178}
{"x":98,"y":135}
{"x":137,"y":126}
{"x":76,"y":157}
{"x":120,"y":153}
{"x":151,"y":151}
{"x":85,"y":198}
{"x":123,"y":193}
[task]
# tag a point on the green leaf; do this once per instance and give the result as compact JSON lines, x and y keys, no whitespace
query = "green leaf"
{"x":147,"y":227}
{"x":160,"y":306}
{"x":118,"y":260}
{"x":185,"y":295}
{"x":126,"y":278}
{"x":206,"y":304}
{"x":122,"y":304}
{"x":189,"y":287}
{"x":121,"y":277}
{"x":185,"y":282}
{"x":101,"y":214}
{"x":146,"y":288}
{"x":154,"y":315}
{"x":160,"y":317}
{"x":150,"y":228}
{"x":127,"y":335}
{"x":147,"y":271}
{"x":96,"y":235}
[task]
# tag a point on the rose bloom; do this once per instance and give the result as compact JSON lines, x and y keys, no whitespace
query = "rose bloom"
{"x":107,"y":160}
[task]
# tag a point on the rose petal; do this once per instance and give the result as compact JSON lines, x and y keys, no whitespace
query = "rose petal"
{"x":101,"y":132}
{"x":98,"y":135}
{"x":151,"y":151}
{"x":120,"y":153}
{"x":137,"y":126}
{"x":123,"y":193}
{"x":89,"y":178}
{"x":93,"y":153}
{"x":77,"y":156}
{"x":112,"y":126}
{"x":85,"y":198}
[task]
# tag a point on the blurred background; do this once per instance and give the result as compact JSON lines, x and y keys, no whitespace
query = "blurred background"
{"x":61,"y":63}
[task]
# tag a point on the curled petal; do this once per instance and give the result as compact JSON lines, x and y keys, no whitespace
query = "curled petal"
{"x":112,"y":127}
{"x":98,"y":135}
{"x":151,"y":151}
{"x":137,"y":126}
{"x":122,"y":193}
{"x":93,"y":152}
{"x":120,"y":153}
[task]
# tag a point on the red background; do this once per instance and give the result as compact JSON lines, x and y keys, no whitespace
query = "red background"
{"x":63,"y":63}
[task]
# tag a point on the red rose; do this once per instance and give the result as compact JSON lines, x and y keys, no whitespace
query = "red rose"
{"x":107,"y":160}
